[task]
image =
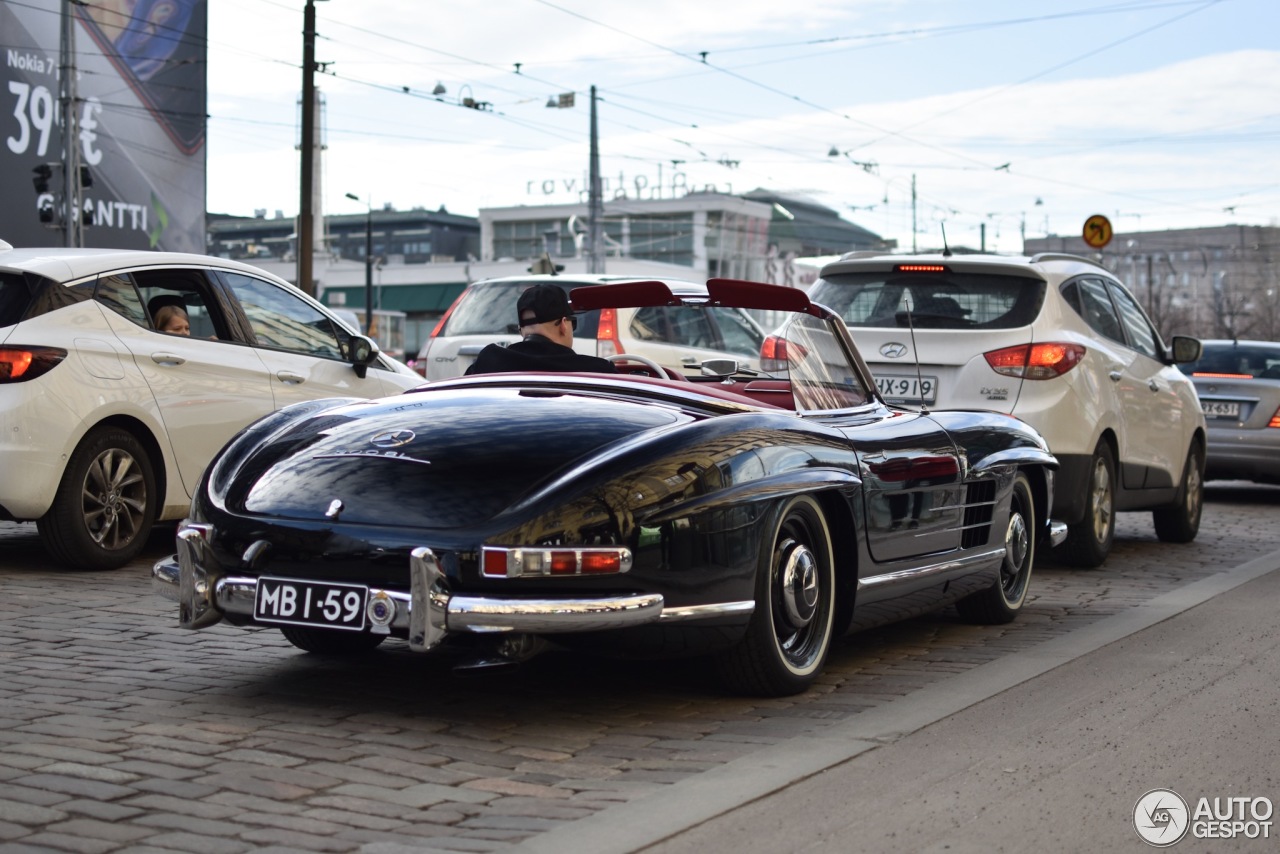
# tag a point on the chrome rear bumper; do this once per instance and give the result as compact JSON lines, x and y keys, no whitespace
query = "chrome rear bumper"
{"x":427,"y":612}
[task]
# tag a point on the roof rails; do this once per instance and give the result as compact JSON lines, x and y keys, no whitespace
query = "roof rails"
{"x":1065,"y":256}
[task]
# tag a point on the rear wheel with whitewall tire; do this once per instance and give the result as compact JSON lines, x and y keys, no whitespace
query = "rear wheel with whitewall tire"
{"x":790,"y":631}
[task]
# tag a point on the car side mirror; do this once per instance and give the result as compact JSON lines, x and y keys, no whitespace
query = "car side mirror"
{"x":362,"y":352}
{"x":719,"y":367}
{"x":1186,"y":349}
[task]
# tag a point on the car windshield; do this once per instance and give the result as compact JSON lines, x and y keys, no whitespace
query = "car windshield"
{"x":1237,"y":359}
{"x":946,"y":300}
{"x":806,"y":351}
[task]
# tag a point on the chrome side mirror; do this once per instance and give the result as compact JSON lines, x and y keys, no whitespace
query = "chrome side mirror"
{"x":719,"y":367}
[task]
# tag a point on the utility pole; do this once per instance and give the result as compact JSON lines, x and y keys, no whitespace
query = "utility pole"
{"x":306,"y":211}
{"x":595,"y":201}
{"x":72,"y":223}
{"x":914,"y":230}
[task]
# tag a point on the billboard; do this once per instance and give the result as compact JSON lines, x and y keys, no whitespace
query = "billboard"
{"x":140,"y":111}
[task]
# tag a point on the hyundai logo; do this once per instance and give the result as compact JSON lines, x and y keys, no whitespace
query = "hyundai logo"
{"x":391,"y":438}
{"x":893,"y":350}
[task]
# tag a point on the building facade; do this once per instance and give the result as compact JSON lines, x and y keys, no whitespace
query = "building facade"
{"x":424,"y":259}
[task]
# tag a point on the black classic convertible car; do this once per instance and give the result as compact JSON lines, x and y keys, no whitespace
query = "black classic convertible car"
{"x":750,"y":516}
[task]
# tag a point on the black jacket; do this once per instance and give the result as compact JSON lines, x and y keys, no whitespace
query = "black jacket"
{"x":536,"y":353}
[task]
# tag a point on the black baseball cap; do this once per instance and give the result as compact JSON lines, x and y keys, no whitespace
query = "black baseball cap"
{"x":543,"y":303}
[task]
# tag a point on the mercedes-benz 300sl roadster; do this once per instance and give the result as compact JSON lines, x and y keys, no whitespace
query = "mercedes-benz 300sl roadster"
{"x":751,"y":516}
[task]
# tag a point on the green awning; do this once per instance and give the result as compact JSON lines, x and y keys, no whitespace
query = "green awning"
{"x":406,"y":298}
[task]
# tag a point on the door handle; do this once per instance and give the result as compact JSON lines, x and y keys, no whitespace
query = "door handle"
{"x":290,"y":378}
{"x":1115,"y":376}
{"x":1153,"y":385}
{"x":689,"y":360}
{"x":168,"y":359}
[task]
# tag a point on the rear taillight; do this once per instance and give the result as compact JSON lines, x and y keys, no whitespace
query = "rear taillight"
{"x":444,"y":318}
{"x":775,"y":352}
{"x":512,"y":562}
{"x":1035,"y":361}
{"x":1217,"y":376}
{"x":607,"y":343}
{"x":1275,"y":419}
{"x":19,"y":364}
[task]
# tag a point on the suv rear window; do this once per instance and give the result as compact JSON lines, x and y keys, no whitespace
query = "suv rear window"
{"x":938,"y":300}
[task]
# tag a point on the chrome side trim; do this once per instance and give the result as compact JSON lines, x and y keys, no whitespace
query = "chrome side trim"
{"x":1057,"y":532}
{"x":931,"y":569}
{"x":702,"y":612}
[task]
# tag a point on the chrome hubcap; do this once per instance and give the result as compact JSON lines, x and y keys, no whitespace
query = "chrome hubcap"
{"x":1016,"y":542}
{"x":798,"y":578}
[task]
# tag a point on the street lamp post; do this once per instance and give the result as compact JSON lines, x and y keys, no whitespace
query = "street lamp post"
{"x":368,"y":264}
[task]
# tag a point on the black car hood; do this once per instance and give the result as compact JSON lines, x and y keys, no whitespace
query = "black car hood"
{"x":442,"y":459}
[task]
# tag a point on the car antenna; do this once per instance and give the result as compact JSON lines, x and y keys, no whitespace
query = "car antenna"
{"x":946,"y":250}
{"x":915,"y":353}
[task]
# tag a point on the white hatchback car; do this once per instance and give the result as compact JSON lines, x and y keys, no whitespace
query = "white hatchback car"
{"x":678,"y":338}
{"x":106,"y":423}
{"x":1057,"y":341}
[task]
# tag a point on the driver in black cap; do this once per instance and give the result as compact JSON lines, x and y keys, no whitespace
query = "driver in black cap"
{"x":547,"y":324}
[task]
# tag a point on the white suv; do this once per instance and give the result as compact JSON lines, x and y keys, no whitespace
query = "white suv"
{"x":679,"y":338}
{"x":1057,"y":341}
{"x":107,"y":423}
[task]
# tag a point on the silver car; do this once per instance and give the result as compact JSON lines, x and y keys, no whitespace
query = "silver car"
{"x":1239,"y":387}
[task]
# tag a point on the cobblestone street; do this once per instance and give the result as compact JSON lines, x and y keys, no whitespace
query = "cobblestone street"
{"x":118,"y":731}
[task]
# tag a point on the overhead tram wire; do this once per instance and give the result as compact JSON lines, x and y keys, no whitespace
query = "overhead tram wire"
{"x":1203,"y":4}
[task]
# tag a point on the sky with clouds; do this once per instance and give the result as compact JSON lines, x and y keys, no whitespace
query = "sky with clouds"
{"x":1009,"y":118}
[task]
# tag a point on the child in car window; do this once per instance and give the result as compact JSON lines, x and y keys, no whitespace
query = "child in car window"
{"x":172,"y":319}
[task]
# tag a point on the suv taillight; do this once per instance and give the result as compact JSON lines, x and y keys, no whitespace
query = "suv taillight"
{"x":607,"y":343}
{"x":19,"y":364}
{"x":1035,"y":361}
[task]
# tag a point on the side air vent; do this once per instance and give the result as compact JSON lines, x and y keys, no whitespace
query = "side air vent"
{"x":980,"y":503}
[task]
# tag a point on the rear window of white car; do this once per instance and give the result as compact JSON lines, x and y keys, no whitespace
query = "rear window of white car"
{"x":945,"y":300}
{"x":491,"y":310}
{"x":14,"y":296}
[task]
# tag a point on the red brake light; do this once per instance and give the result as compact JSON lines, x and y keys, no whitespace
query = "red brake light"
{"x":922,"y":268}
{"x":607,"y":343}
{"x":19,"y":364}
{"x":1275,"y":419}
{"x":776,"y":351}
{"x":517,"y":562}
{"x":1035,"y":361}
{"x":1213,"y":375}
